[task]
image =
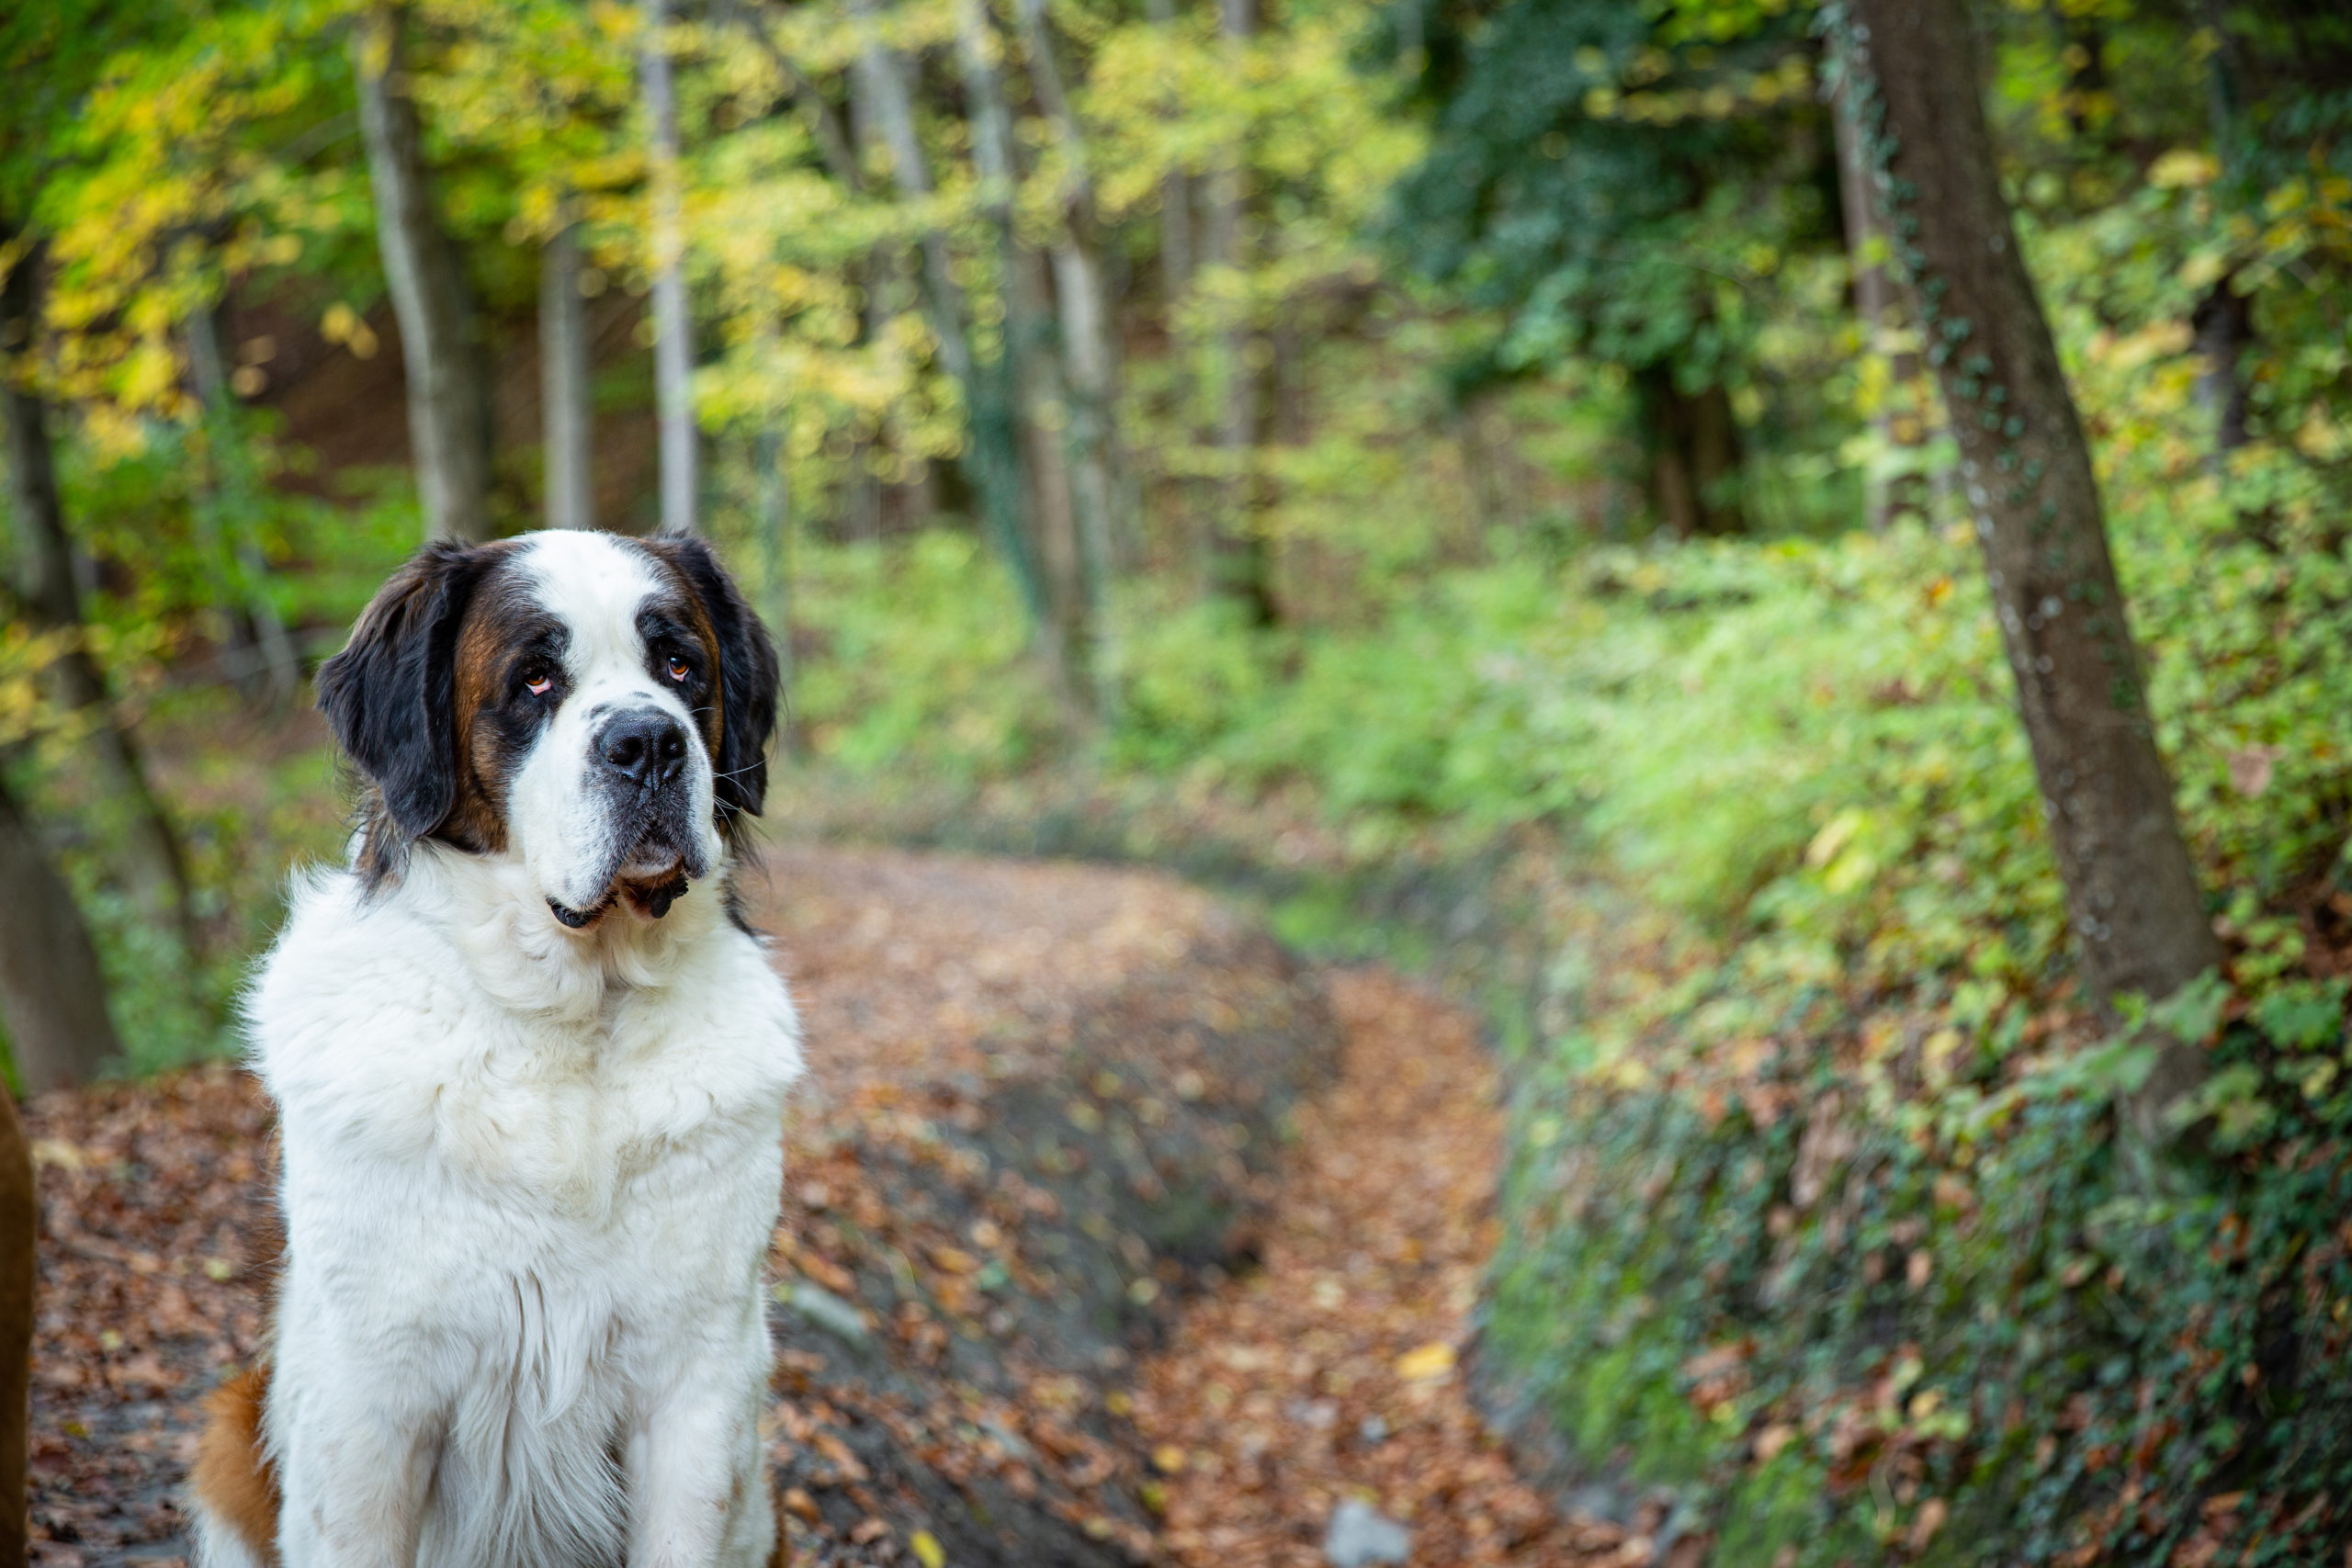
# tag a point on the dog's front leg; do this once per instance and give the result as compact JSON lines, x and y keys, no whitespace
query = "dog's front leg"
{"x":355,"y":1472}
{"x":697,"y":1472}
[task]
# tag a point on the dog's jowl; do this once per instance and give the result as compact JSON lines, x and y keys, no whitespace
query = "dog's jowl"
{"x":530,"y":1067}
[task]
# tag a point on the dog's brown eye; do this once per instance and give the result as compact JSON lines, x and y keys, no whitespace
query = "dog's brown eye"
{"x":537,"y":682}
{"x":679,"y":669}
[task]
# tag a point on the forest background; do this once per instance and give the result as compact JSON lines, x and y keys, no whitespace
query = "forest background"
{"x":1480,"y":474}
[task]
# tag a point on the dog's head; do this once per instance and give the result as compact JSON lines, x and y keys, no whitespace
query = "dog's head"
{"x":598,"y":708}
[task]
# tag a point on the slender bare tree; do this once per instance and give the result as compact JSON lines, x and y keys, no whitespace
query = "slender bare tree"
{"x":1088,"y":339}
{"x":1241,"y":557}
{"x":441,"y":344}
{"x":49,"y":597}
{"x":673,"y":340}
{"x":1041,"y":396}
{"x":1876,"y":308}
{"x":52,"y":994}
{"x":565,"y":419}
{"x":2139,"y":917}
{"x":993,"y":459}
{"x":19,"y":1230}
{"x":232,"y":489}
{"x":1175,"y":198}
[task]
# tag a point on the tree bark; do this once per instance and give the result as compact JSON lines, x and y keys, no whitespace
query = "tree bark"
{"x":1175,"y":198}
{"x":441,"y":344}
{"x":49,"y":599}
{"x":1241,"y":557}
{"x":1089,"y":342}
{"x":2138,"y":915}
{"x":2225,"y":324}
{"x":1694,"y":452}
{"x":771,"y":463}
{"x":992,"y":460}
{"x":52,"y":993}
{"x":231,"y":490}
{"x":674,"y":346}
{"x":1041,"y":398}
{"x":20,"y":1232}
{"x":567,"y":420}
{"x":1876,"y":308}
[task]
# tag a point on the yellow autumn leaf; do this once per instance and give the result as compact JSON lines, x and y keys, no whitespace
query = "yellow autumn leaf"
{"x":2182,"y":166}
{"x":1432,"y":1360}
{"x":927,"y":1549}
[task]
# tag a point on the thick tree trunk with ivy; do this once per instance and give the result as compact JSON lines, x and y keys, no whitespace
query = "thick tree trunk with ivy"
{"x":441,"y":345}
{"x":2139,"y":919}
{"x":674,"y":342}
{"x":52,"y":993}
{"x":567,"y":420}
{"x":1241,"y":563}
{"x":146,"y":848}
{"x":19,"y":1238}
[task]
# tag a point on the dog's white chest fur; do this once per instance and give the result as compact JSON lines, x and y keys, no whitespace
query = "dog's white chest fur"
{"x":530,"y":1178}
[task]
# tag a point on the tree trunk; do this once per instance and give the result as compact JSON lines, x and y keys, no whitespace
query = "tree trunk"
{"x":441,"y":344}
{"x":1040,"y":395}
{"x":1175,"y":198}
{"x":1089,"y":341}
{"x":1241,"y":557}
{"x":20,"y":1232}
{"x":52,"y":994}
{"x":2224,"y":324}
{"x":231,"y":490}
{"x":51,"y":601}
{"x":1875,"y":307}
{"x":673,"y":346}
{"x":992,"y":461}
{"x":771,"y":462}
{"x":567,"y":420}
{"x":2131,"y":894}
{"x":1694,"y":452}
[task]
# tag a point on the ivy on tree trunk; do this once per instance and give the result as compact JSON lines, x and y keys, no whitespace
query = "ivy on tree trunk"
{"x":2139,"y":919}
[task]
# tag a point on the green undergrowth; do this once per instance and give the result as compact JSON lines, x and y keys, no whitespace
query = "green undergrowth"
{"x":1815,"y":1216}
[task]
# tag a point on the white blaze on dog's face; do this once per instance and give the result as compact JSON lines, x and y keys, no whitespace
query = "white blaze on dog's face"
{"x":614,"y":791}
{"x":594,"y":706}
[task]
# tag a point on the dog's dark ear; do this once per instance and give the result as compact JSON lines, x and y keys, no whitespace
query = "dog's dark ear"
{"x":747,"y":673}
{"x":391,"y":695}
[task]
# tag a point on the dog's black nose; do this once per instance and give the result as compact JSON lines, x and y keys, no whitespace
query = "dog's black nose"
{"x":647,"y":745}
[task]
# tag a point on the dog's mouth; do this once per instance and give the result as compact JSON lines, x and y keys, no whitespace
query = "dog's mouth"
{"x":650,"y":878}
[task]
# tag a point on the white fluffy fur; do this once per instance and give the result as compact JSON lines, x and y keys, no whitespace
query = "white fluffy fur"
{"x":530,"y":1179}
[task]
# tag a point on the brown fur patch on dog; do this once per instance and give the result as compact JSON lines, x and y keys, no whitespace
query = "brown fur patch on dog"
{"x":233,"y":1476}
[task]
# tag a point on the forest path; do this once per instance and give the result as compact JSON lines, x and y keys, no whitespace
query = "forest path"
{"x":1111,"y":1236}
{"x":1328,"y":1373}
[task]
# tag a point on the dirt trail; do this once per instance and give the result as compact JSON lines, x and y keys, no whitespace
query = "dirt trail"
{"x":1329,"y":1373}
{"x":1054,"y":1288}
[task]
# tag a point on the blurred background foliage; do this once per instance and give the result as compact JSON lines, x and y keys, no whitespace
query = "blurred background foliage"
{"x":1453,"y":439}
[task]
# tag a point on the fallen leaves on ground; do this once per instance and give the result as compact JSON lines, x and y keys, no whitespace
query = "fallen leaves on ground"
{"x":932,"y":988}
{"x":1331,"y":1370}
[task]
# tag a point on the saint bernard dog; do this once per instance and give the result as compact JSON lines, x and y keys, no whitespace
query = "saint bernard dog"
{"x":530,"y":1069}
